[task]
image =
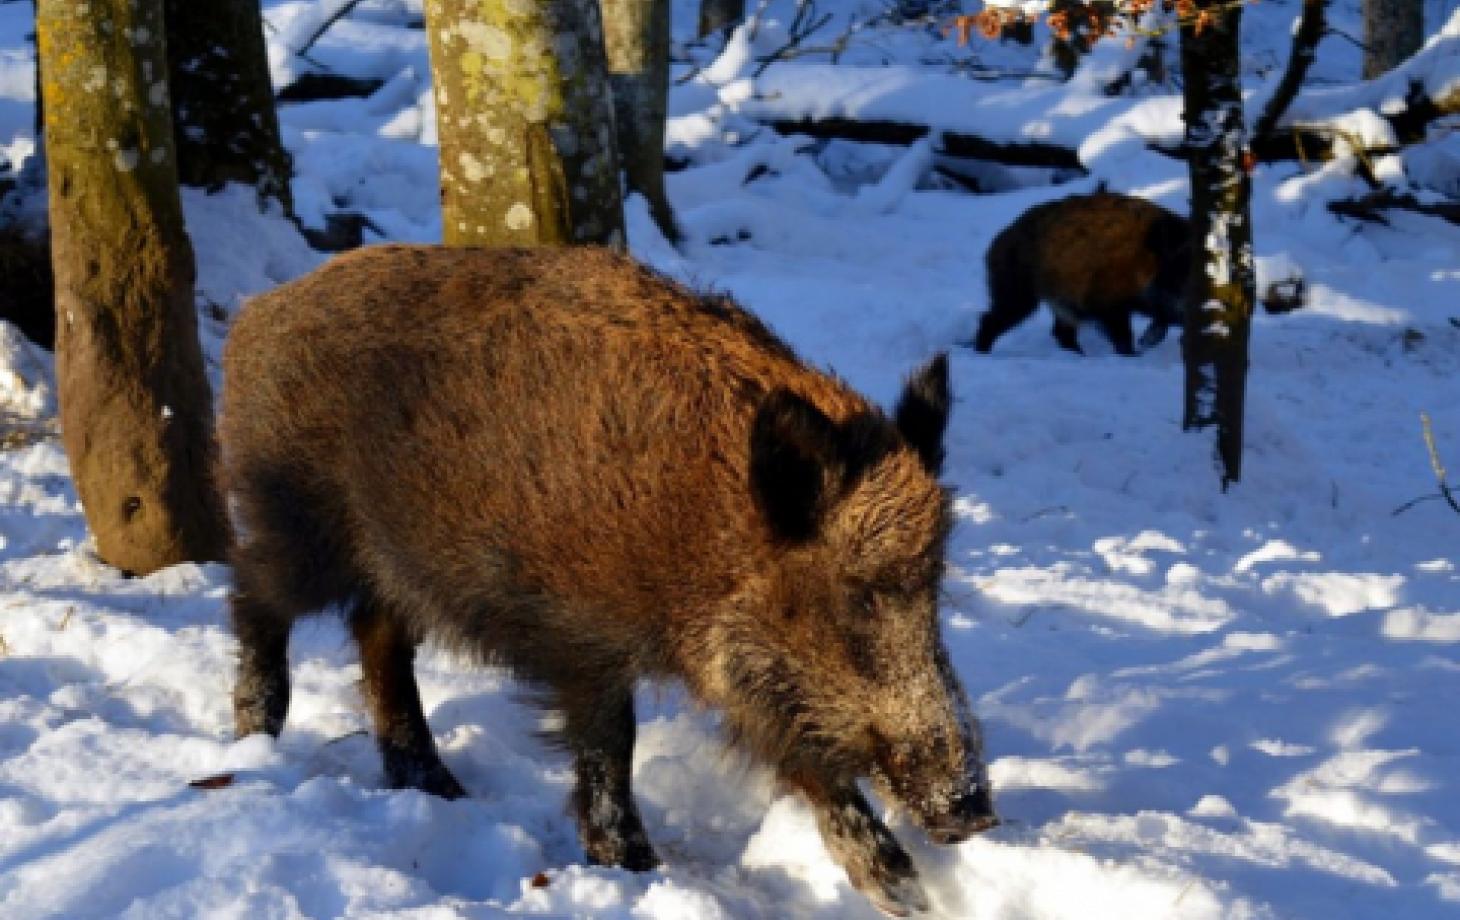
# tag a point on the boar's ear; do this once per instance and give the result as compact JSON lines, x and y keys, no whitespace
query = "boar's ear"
{"x":922,"y":412}
{"x":794,"y":459}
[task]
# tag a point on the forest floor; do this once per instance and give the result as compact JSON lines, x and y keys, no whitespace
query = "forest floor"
{"x":1197,"y":704}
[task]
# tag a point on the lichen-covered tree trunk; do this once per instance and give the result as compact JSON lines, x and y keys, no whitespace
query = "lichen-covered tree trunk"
{"x":1393,"y":31}
{"x":636,"y":38}
{"x":135,"y":407}
{"x":223,"y":100}
{"x":525,"y":123}
{"x":720,"y":15}
{"x":1223,"y":284}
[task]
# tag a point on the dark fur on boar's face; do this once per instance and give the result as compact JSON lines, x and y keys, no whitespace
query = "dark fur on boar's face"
{"x":558,"y":461}
{"x":1100,"y":257}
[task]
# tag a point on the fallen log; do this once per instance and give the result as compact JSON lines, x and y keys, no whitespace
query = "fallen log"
{"x":1301,"y":142}
{"x":1372,"y":207}
{"x":1317,"y":141}
{"x":953,"y":143}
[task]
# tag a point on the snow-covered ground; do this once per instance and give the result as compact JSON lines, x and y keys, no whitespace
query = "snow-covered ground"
{"x":1197,"y":704}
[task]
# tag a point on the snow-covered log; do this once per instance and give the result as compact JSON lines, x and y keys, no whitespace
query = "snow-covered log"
{"x":950,"y":142}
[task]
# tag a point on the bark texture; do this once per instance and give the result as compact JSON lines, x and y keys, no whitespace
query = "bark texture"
{"x":1393,"y":30}
{"x":636,"y":39}
{"x":1222,"y":286}
{"x":525,"y":123}
{"x":135,"y":407}
{"x":720,"y":15}
{"x":226,"y":129}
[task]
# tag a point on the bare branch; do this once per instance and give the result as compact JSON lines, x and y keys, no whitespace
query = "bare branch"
{"x":1311,"y":28}
{"x":325,"y":26}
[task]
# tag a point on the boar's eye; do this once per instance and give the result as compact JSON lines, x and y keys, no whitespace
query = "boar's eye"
{"x":860,"y":652}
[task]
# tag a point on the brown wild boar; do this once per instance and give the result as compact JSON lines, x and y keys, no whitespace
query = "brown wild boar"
{"x":1102,"y":256}
{"x":558,"y":461}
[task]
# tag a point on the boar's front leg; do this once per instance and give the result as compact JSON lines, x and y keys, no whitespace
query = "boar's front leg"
{"x":600,"y":734}
{"x":387,"y":656}
{"x":261,"y":693}
{"x":875,"y":862}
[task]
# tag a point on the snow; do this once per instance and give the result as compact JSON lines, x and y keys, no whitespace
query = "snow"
{"x":1196,"y":704}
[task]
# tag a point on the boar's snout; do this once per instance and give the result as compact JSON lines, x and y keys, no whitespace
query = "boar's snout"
{"x":944,"y":789}
{"x":971,"y":813}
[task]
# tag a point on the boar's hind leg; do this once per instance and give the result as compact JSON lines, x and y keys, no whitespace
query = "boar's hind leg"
{"x":386,"y":658}
{"x":1064,"y":334}
{"x":875,"y":862}
{"x":600,"y":734}
{"x":1154,"y":335}
{"x":261,"y":695}
{"x":1116,"y":324}
{"x":1012,"y":298}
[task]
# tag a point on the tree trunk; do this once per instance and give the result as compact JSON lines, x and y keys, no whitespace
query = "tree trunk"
{"x":1222,"y":288}
{"x":135,"y":408}
{"x":720,"y":15}
{"x":1393,"y":30}
{"x":636,"y":38}
{"x":525,"y":123}
{"x":226,"y":129}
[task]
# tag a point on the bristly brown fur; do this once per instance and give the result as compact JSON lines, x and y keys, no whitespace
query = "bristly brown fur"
{"x":557,"y":460}
{"x":1100,"y":257}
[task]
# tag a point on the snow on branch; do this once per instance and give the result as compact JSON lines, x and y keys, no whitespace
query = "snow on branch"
{"x":1375,"y":117}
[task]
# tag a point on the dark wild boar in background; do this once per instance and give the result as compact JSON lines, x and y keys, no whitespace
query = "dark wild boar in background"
{"x":1100,"y":257}
{"x":558,"y":461}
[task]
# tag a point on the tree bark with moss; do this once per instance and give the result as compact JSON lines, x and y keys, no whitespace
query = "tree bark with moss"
{"x":636,"y":38}
{"x":1223,"y":282}
{"x":135,"y":406}
{"x":524,"y":122}
{"x":226,"y":129}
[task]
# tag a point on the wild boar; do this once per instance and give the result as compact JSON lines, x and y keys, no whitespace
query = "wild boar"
{"x":558,"y":461}
{"x":1102,"y":257}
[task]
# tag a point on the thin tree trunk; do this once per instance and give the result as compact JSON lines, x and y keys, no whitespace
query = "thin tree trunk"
{"x":1222,"y":288}
{"x":1393,"y":30}
{"x":135,"y":407}
{"x":223,"y":100}
{"x":1309,"y":33}
{"x":636,"y":38}
{"x":720,"y":15}
{"x":525,"y":123}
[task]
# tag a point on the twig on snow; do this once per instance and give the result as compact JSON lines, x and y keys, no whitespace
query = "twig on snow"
{"x":1446,"y":493}
{"x":1437,"y":465}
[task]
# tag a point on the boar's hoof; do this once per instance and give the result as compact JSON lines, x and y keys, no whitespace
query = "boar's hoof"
{"x":897,"y":893}
{"x":430,"y":778}
{"x":887,"y":877}
{"x":626,"y":851}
